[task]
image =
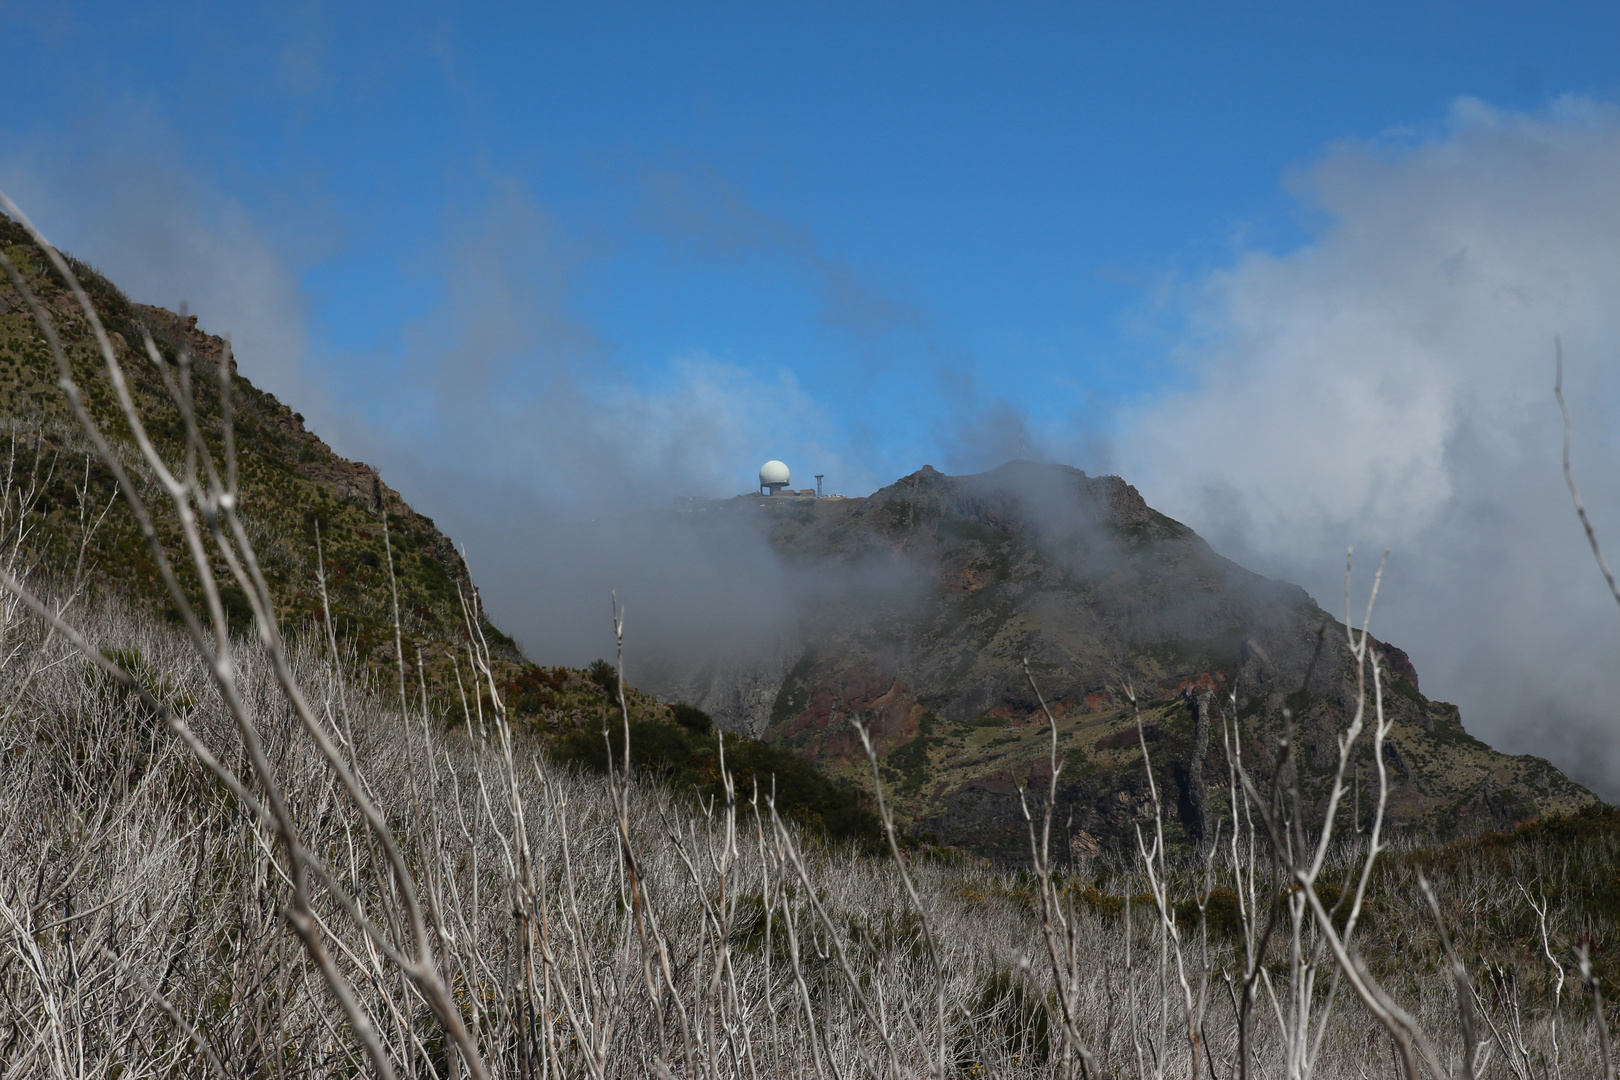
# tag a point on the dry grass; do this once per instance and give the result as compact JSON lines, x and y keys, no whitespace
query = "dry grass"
{"x":221,"y":855}
{"x":143,"y":913}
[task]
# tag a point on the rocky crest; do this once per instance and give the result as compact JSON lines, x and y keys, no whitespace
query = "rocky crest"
{"x":931,"y":593}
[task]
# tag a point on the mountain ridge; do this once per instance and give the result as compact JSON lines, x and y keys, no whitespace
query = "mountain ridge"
{"x":306,"y":508}
{"x":1099,"y":592}
{"x":293,"y":484}
{"x":919,"y":605}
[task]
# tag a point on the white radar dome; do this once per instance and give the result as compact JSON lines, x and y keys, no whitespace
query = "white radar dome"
{"x":773,"y":472}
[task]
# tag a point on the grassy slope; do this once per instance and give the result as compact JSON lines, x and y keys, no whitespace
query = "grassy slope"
{"x":293,"y":485}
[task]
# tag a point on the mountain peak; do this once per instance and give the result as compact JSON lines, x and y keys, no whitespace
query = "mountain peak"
{"x":933,"y":592}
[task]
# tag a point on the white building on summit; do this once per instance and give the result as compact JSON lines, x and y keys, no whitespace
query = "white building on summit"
{"x":773,"y":476}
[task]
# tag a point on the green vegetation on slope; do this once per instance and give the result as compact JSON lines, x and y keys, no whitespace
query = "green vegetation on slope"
{"x":293,"y":487}
{"x":566,"y":710}
{"x":310,"y":510}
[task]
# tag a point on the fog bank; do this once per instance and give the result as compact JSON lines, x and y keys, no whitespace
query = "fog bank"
{"x":1389,"y":384}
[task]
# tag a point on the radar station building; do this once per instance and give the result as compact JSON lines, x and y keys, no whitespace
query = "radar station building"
{"x":773,"y":477}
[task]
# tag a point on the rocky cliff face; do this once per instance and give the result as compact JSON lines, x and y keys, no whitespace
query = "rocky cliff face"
{"x":925,"y":599}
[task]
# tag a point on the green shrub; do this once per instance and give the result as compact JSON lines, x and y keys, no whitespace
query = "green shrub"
{"x":656,"y":748}
{"x":605,"y":675}
{"x":686,"y":754}
{"x":693,"y":719}
{"x":802,"y":793}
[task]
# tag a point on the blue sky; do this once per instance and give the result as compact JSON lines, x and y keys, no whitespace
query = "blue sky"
{"x":1293,"y":269}
{"x":936,"y":204}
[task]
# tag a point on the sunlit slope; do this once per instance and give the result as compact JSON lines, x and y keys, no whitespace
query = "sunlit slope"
{"x":293,"y":485}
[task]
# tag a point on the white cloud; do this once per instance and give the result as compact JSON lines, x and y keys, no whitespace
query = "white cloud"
{"x":509,"y":422}
{"x":504,"y":384}
{"x":1389,"y":384}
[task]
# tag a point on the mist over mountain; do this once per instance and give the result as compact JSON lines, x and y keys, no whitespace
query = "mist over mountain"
{"x":1380,"y":377}
{"x":1384,"y":383}
{"x":1389,"y":385}
{"x":914,"y":611}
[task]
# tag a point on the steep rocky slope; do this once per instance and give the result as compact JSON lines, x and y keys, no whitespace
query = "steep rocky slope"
{"x":924,"y":599}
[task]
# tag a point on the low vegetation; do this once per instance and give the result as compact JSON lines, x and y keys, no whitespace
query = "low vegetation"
{"x":229,"y":850}
{"x":145,"y":909}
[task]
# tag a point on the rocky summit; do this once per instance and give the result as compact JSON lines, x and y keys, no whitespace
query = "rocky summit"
{"x":925,"y":600}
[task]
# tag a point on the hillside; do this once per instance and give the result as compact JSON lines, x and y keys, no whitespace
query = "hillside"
{"x":293,"y":489}
{"x":159,"y":923}
{"x":292,"y":483}
{"x":129,"y":872}
{"x":932,"y":591}
{"x":926,"y":597}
